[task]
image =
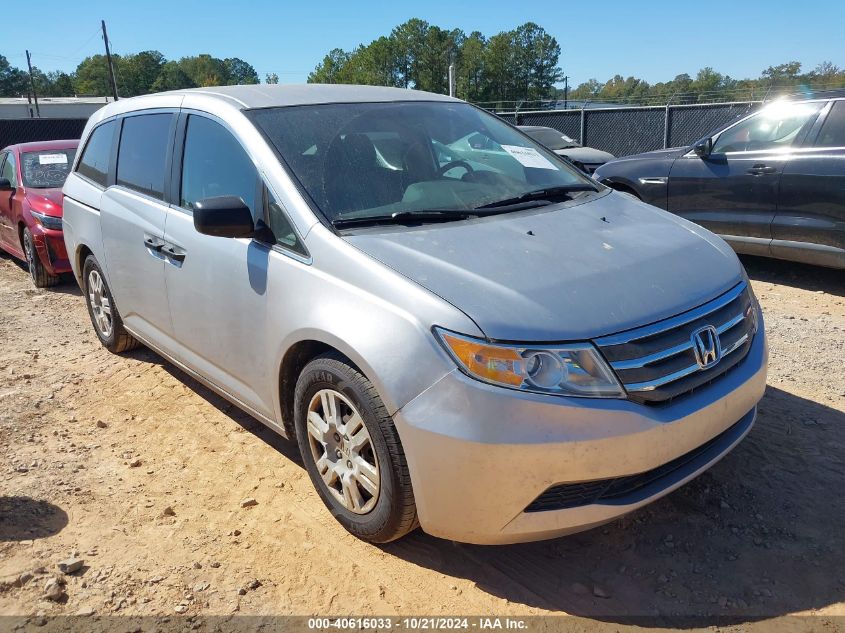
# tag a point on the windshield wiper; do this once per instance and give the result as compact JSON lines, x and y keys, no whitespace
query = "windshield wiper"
{"x":539,"y":194}
{"x":405,"y":217}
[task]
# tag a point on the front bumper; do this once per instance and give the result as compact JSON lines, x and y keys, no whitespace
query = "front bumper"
{"x":479,"y":455}
{"x":50,"y":246}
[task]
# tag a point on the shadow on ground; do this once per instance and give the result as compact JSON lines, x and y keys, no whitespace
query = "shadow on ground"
{"x":24,"y":518}
{"x":757,"y":536}
{"x":804,"y":276}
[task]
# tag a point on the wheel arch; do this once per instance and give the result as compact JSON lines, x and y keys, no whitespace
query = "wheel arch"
{"x":297,"y":356}
{"x":82,"y":253}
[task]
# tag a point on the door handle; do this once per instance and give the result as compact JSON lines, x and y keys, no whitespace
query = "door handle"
{"x":153,"y":244}
{"x":174,"y":252}
{"x":761,"y":169}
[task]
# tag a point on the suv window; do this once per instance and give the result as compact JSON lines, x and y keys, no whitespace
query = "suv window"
{"x":775,"y":126}
{"x":833,"y":131}
{"x":215,"y":164}
{"x":9,"y":171}
{"x":94,"y":163}
{"x":142,"y":155}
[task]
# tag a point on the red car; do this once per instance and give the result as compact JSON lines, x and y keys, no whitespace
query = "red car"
{"x":31,"y":179}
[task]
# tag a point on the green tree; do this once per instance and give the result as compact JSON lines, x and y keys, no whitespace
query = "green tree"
{"x":92,"y":76}
{"x":13,"y":81}
{"x":240,"y":72}
{"x":61,"y":84}
{"x":788,"y":72}
{"x":137,"y":73}
{"x":172,"y":77}
{"x":271,"y":78}
{"x":470,"y":67}
{"x":409,"y":40}
{"x":329,"y":71}
{"x":205,"y":70}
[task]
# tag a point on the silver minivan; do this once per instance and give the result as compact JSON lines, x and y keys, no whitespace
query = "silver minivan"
{"x":461,"y":331}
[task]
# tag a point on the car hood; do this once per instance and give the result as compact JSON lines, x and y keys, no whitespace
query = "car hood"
{"x":585,"y":154}
{"x":46,"y":201}
{"x":568,"y":272}
{"x":658,"y":154}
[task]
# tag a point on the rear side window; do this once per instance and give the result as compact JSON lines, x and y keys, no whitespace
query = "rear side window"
{"x":214,"y":164}
{"x":142,"y":156}
{"x":833,"y":130}
{"x":94,"y":163}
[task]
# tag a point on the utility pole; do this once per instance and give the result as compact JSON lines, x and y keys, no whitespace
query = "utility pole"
{"x":566,"y":92}
{"x":32,"y":85}
{"x":451,"y":80}
{"x":108,"y":60}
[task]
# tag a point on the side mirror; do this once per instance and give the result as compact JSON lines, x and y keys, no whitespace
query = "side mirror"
{"x":5,"y":185}
{"x":704,"y":148}
{"x":223,"y":216}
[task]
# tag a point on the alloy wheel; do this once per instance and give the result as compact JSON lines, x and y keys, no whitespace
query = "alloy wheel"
{"x":343,"y":451}
{"x":29,"y":253}
{"x":100,"y":304}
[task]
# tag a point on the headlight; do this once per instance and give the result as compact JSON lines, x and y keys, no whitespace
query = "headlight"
{"x":566,"y":370}
{"x":47,"y":221}
{"x":755,"y":303}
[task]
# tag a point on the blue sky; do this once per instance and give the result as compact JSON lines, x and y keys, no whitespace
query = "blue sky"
{"x":653,"y":40}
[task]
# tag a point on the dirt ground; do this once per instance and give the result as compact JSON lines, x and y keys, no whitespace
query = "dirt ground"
{"x":140,"y":471}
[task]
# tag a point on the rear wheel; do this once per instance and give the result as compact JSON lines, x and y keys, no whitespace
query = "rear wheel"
{"x":41,"y":277}
{"x":102,"y":310}
{"x":352,"y":451}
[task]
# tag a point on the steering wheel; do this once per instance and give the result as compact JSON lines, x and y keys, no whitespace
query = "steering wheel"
{"x":452,"y":164}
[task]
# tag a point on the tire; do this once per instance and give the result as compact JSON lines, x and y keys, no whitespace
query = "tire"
{"x":380,"y":518}
{"x":41,"y":277}
{"x":103,"y":312}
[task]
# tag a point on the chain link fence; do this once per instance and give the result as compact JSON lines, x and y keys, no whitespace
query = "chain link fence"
{"x":13,"y":131}
{"x":631,"y":130}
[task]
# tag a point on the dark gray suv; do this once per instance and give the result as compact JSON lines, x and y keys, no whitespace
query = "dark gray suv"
{"x":771,"y":184}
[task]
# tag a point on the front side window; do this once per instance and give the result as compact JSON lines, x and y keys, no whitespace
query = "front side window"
{"x":280,"y":226}
{"x":214,"y":164}
{"x":94,"y":163}
{"x":775,"y":126}
{"x":142,"y":154}
{"x":833,"y":131}
{"x":9,"y":171}
{"x":366,"y":160}
{"x":46,"y":169}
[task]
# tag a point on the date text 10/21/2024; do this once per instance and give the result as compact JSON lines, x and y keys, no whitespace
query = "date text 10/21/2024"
{"x":419,"y":623}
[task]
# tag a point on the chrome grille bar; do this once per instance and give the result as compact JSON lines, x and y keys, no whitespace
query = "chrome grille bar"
{"x":651,"y":385}
{"x":674,"y":322}
{"x":636,"y":363}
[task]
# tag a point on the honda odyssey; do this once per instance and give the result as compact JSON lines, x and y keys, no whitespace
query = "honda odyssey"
{"x":495,"y":351}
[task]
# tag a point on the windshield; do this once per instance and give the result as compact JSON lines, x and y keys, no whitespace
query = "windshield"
{"x":550,"y":138}
{"x":46,"y":169}
{"x":381,"y":159}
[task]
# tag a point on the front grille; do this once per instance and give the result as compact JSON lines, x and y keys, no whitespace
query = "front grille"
{"x":633,"y":488}
{"x":657,"y":362}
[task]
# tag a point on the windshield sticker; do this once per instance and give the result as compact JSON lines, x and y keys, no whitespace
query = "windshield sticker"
{"x":52,"y":159}
{"x":529,"y":157}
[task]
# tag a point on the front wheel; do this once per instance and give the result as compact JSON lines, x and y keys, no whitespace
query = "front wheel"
{"x":41,"y":277}
{"x":352,"y":451}
{"x":101,"y":308}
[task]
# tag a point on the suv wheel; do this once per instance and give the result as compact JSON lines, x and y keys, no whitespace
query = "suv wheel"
{"x":41,"y":277}
{"x":102,"y":310}
{"x":352,"y":451}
